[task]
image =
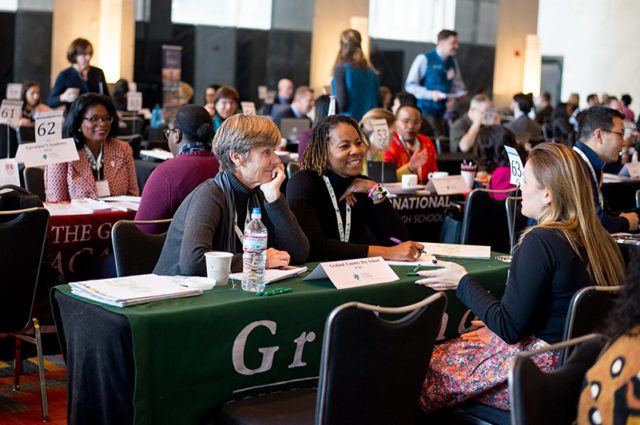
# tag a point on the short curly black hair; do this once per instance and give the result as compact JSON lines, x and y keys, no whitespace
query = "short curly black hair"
{"x":625,"y":316}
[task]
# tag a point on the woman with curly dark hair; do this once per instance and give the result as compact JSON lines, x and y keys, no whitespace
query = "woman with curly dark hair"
{"x":611,"y":394}
{"x":492,"y":157}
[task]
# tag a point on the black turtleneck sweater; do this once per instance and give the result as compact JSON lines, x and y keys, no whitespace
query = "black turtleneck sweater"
{"x":197,"y":228}
{"x":370,"y":224}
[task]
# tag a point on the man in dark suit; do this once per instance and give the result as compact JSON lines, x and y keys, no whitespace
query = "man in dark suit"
{"x":303,"y":102}
{"x":281,"y":100}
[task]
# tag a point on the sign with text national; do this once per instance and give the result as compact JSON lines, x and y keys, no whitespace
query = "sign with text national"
{"x":515,"y":163}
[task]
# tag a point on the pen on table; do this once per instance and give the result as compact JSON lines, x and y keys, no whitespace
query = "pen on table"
{"x":398,"y":241}
{"x":276,"y":291}
{"x":414,"y":271}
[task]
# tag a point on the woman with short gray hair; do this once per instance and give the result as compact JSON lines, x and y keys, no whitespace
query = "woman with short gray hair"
{"x":211,"y":217}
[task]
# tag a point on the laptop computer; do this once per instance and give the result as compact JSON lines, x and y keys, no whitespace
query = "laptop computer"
{"x":382,"y":172}
{"x":292,"y":128}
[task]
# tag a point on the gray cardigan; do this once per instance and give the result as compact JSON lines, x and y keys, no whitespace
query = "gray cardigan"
{"x":196,"y":229}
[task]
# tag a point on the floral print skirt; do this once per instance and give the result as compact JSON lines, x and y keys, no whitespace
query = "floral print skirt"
{"x":461,"y":370}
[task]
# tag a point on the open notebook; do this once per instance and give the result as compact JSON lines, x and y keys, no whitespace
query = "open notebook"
{"x":132,"y":290}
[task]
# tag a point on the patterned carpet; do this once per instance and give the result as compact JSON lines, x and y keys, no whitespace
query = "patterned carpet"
{"x":23,"y":407}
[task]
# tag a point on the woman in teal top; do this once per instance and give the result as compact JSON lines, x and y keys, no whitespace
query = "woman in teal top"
{"x":355,"y":84}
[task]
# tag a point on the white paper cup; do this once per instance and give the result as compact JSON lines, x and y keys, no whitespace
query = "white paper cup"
{"x":437,"y":175}
{"x":469,"y":178}
{"x":218,"y":266}
{"x":409,"y":180}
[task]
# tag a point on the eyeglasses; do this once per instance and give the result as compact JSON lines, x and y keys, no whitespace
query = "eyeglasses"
{"x":98,"y":119}
{"x":619,"y":133}
{"x":168,"y":131}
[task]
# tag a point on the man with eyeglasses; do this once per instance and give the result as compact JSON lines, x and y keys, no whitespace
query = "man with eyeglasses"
{"x":412,"y":152}
{"x":601,"y":141}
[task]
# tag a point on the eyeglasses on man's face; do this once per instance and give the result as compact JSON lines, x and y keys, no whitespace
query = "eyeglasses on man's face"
{"x":619,"y":133}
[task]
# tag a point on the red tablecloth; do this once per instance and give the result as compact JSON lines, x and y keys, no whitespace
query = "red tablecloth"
{"x":77,"y":241}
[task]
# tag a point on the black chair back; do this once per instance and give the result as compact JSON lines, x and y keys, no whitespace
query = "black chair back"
{"x":34,"y":181}
{"x":588,"y":310}
{"x":8,"y":142}
{"x":372,"y":369}
{"x":22,"y":238}
{"x":135,"y":251}
{"x":551,"y":398}
{"x":292,"y":168}
{"x":26,"y":134}
{"x":514,"y":214}
{"x":485,"y":221}
{"x":130,"y":125}
{"x":382,"y":172}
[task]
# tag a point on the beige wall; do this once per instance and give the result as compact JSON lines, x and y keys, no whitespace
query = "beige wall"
{"x":597,"y":41}
{"x":331,"y":17}
{"x":81,"y":18}
{"x":516,"y":19}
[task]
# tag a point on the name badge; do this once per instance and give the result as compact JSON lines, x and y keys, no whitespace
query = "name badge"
{"x":451,"y":73}
{"x":102,"y":188}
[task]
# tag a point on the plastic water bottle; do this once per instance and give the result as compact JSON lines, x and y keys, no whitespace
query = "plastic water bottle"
{"x":255,"y":253}
{"x":156,"y":117}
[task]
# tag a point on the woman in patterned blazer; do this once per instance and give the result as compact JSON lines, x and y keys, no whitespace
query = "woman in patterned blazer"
{"x":105,"y":166}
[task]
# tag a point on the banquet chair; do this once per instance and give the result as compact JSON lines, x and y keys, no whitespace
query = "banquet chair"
{"x":551,"y":398}
{"x":485,"y":220}
{"x":26,"y":134}
{"x":514,"y":213}
{"x":135,"y":251}
{"x":22,"y":240}
{"x":292,"y":168}
{"x":8,"y":142}
{"x":34,"y":181}
{"x":371,"y":370}
{"x":588,"y":309}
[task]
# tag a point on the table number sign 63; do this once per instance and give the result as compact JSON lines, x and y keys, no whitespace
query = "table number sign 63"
{"x":517,"y":169}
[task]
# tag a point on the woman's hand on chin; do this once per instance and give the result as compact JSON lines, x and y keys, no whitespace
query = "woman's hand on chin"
{"x":277,"y":259}
{"x":271,"y":189}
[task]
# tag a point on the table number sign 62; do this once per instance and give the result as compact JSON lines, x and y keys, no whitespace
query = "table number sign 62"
{"x":49,"y":126}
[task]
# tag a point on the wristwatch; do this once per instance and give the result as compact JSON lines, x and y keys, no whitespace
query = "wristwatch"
{"x":377,"y":192}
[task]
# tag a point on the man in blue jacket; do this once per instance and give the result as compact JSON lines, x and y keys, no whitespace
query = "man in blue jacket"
{"x":601,"y":140}
{"x":434,"y":76}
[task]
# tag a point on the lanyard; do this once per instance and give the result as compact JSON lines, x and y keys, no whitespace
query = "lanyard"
{"x":247,"y":219}
{"x":96,"y":163}
{"x":593,"y":173}
{"x":344,"y":232}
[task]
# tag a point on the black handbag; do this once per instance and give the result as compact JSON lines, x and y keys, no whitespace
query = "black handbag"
{"x":451,"y":230}
{"x":17,"y":198}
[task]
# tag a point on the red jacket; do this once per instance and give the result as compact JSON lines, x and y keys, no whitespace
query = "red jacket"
{"x":398,"y":154}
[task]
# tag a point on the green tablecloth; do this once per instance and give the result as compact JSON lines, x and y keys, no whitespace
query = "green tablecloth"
{"x":193,"y":354}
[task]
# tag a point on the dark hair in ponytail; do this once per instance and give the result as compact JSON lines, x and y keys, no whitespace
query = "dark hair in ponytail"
{"x":195,"y":124}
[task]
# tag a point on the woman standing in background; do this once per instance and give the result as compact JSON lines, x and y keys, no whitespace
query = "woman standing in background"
{"x":355,"y":84}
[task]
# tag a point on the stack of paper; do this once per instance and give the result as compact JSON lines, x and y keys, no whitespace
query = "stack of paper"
{"x":91,"y":205}
{"x":132,"y":290}
{"x":458,"y":251}
{"x":160,"y":154}
{"x":274,"y":275}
